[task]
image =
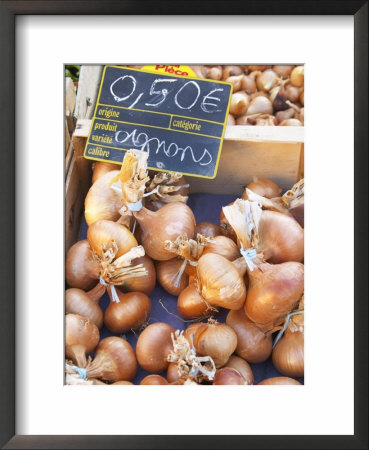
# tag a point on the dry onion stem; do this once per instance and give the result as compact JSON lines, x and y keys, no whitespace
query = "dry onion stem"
{"x":197,"y":368}
{"x":117,"y":271}
{"x":295,"y":195}
{"x":133,"y":175}
{"x":165,"y":186}
{"x":243,"y":212}
{"x":188,"y":248}
{"x":272,"y":204}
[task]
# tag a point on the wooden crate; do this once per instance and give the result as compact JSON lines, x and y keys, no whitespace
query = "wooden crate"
{"x":276,"y":153}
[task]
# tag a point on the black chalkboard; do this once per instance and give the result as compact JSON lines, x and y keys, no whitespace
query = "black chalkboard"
{"x":179,"y":121}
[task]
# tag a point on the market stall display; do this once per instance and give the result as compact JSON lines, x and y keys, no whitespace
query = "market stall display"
{"x":186,"y":287}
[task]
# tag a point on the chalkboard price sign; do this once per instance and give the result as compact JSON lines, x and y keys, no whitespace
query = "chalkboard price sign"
{"x":179,"y":121}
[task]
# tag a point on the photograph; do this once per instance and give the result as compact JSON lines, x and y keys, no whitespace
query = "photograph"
{"x":155,"y":160}
{"x":184,"y":232}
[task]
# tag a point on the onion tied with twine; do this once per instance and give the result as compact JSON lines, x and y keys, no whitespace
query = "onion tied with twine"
{"x":167,"y":223}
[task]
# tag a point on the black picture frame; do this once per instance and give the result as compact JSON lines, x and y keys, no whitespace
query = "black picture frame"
{"x":8,"y":11}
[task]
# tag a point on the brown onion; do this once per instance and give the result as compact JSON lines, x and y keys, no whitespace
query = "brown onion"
{"x":236,"y":81}
{"x":252,"y":344}
{"x":166,"y":275}
{"x":266,"y":80}
{"x":81,"y":337}
{"x":121,"y":383}
{"x":102,"y":201}
{"x":220,"y":283}
{"x":297,"y":76}
{"x":170,"y":221}
{"x":242,"y":366}
{"x":190,"y":304}
{"x":81,"y":267}
{"x":281,"y":238}
{"x":228,"y":375}
{"x":293,"y":93}
{"x":216,"y":340}
{"x":153,"y":380}
{"x":172,"y":372}
{"x":248,"y":84}
{"x":153,"y":347}
{"x":260,"y":105}
{"x":264,"y":187}
{"x":221,"y":245}
{"x":145,"y":284}
{"x":239,"y":103}
{"x":130,"y":313}
{"x":114,"y":360}
{"x":101,"y":233}
{"x":279,"y":381}
{"x":288,"y":354}
{"x":273,"y":292}
{"x":85,"y":304}
{"x":100,"y":168}
{"x":208,"y":229}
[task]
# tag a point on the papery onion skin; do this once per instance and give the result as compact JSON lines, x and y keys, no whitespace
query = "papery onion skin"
{"x":103,"y":232}
{"x":122,"y":382}
{"x":114,"y":360}
{"x":153,"y":347}
{"x":77,"y":301}
{"x":264,"y":187}
{"x":153,"y":380}
{"x":208,"y":229}
{"x":279,"y":381}
{"x":170,"y":221}
{"x":220,"y":283}
{"x":228,"y":375}
{"x":81,"y":337}
{"x":243,"y":367}
{"x":130,"y":313}
{"x":191,"y":329}
{"x":253,"y":345}
{"x":216,"y":340}
{"x":226,"y":228}
{"x":166,"y":274}
{"x":281,"y":238}
{"x":100,"y":168}
{"x":190,"y":304}
{"x":224,"y":246}
{"x":273,"y":292}
{"x":102,"y":202}
{"x":81,"y":267}
{"x":145,"y":284}
{"x":288,"y":354}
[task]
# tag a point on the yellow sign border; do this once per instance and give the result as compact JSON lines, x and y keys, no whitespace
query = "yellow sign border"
{"x":170,"y":76}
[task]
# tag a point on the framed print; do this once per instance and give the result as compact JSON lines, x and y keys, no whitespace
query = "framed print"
{"x":37,"y":39}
